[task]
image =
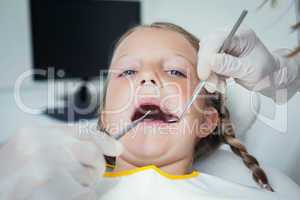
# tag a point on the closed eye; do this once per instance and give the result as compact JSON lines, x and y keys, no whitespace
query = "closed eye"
{"x":177,"y":73}
{"x":128,"y":72}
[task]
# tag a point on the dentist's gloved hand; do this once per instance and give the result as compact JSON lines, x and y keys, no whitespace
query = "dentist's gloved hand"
{"x":58,"y":163}
{"x":249,"y":62}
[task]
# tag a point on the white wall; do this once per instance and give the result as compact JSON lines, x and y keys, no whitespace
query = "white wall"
{"x":14,"y":41}
{"x":202,"y":17}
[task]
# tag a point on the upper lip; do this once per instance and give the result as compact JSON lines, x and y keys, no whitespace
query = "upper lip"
{"x":150,"y":103}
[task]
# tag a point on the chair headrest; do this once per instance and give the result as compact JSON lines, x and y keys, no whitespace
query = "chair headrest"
{"x":243,"y":106}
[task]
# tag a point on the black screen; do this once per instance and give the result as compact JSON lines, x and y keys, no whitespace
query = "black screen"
{"x":77,"y":36}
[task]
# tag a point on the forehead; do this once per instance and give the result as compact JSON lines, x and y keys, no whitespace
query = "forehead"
{"x":146,"y":41}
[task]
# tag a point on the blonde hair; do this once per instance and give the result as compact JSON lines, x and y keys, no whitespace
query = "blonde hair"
{"x":224,"y":132}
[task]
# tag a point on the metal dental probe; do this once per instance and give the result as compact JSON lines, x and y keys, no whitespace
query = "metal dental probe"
{"x":202,"y":83}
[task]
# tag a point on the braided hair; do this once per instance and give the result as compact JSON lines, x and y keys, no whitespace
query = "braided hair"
{"x":224,"y":134}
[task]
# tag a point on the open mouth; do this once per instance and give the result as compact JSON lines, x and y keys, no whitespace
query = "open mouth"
{"x":156,"y":114}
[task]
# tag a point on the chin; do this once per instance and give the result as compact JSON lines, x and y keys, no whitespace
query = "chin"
{"x":146,"y":149}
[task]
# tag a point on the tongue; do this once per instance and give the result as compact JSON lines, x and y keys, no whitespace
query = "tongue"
{"x":155,"y":115}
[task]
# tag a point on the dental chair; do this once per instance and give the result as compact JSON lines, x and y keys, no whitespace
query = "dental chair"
{"x":244,"y":107}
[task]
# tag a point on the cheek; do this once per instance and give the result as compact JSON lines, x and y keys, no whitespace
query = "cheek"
{"x":118,"y":96}
{"x":118,"y":103}
{"x":176,"y":94}
{"x":194,"y":116}
{"x":198,"y":108}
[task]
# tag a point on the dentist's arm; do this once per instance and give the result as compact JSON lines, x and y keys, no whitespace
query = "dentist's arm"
{"x":58,"y":163}
{"x":251,"y":64}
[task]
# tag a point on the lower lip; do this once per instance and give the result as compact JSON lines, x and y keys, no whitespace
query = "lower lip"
{"x":155,"y":122}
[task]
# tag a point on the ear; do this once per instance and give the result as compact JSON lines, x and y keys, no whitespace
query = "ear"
{"x":209,"y":123}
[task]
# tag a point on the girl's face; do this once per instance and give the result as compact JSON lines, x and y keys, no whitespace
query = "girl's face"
{"x":156,"y":69}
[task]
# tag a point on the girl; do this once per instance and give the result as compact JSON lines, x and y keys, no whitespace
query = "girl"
{"x":153,"y":67}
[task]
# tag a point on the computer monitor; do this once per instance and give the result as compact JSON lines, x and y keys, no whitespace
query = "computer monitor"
{"x":76,"y":37}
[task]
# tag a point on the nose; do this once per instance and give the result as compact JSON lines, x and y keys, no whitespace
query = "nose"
{"x":151,"y":77}
{"x":144,"y":81}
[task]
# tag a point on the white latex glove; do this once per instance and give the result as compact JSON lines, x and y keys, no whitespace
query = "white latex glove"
{"x":54,"y":163}
{"x":249,"y":62}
